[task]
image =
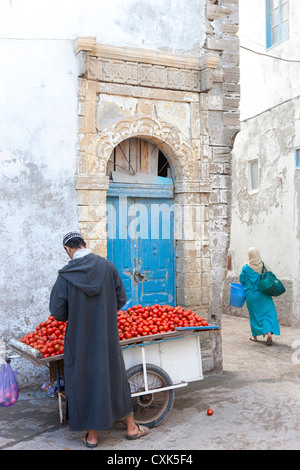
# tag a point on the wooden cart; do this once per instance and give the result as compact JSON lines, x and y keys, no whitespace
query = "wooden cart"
{"x":156,"y":366}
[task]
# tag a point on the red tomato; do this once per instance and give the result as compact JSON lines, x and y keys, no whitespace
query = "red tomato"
{"x":210,"y":412}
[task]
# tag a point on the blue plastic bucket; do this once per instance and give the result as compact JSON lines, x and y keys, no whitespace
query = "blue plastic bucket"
{"x":236,"y":295}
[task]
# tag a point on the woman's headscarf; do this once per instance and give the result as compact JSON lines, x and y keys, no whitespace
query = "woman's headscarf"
{"x":255,"y":261}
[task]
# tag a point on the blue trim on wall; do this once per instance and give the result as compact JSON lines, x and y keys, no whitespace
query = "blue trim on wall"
{"x":142,"y":190}
{"x":297,"y":157}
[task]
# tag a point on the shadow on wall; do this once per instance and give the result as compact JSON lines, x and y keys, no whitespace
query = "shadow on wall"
{"x":283,"y":304}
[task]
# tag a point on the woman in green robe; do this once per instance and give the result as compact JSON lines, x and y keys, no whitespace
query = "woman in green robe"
{"x":262,"y":311}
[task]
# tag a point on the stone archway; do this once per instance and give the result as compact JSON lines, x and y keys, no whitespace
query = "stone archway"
{"x":166,"y":136}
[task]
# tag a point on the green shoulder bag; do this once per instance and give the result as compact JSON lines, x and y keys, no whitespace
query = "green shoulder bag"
{"x":269,"y":284}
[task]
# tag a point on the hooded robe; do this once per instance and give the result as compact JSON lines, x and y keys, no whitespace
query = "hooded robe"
{"x":88,"y":293}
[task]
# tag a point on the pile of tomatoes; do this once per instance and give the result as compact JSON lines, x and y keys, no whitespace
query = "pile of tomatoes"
{"x":48,"y":337}
{"x":136,"y":321}
{"x":142,"y":321}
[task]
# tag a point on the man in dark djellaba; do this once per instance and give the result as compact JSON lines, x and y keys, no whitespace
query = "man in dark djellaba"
{"x":88,"y":293}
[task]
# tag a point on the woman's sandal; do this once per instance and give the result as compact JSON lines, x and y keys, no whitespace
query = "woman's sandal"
{"x":142,"y":431}
{"x":269,"y":342}
{"x":86,"y":443}
{"x":252,"y":339}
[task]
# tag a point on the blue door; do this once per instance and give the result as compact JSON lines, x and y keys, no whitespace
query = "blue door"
{"x":140,"y":242}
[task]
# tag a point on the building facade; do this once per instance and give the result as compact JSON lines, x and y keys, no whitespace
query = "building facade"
{"x":121,"y":125}
{"x":265,"y":191}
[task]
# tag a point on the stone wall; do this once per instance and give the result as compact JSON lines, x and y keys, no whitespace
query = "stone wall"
{"x":222,"y":120}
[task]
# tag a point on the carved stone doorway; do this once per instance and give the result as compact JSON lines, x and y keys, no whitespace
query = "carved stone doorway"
{"x":152,"y":99}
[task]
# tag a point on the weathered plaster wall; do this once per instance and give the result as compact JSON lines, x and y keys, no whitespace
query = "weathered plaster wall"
{"x":38,"y":143}
{"x":267,"y":218}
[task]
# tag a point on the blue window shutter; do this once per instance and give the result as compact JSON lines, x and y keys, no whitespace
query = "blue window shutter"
{"x":268,"y":24}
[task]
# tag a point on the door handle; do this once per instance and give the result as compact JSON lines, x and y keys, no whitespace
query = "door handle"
{"x":138,"y":276}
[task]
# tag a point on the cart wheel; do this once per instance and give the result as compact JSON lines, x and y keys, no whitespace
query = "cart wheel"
{"x":153,"y":408}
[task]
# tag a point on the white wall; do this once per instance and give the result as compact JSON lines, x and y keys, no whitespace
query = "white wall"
{"x":173,"y":25}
